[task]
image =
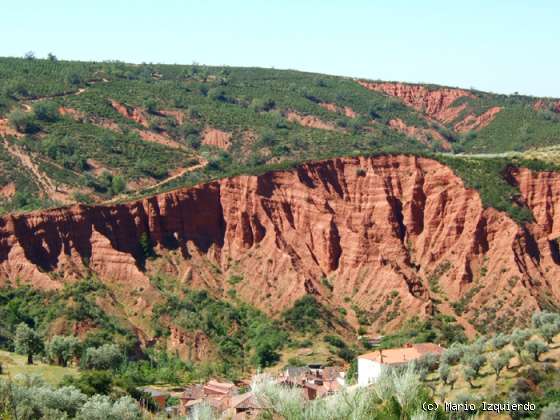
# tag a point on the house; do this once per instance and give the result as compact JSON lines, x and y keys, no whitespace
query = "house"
{"x":191,"y":396}
{"x":244,"y":406}
{"x":370,"y":365}
{"x":214,"y":387}
{"x":157,"y":396}
{"x":217,"y":394}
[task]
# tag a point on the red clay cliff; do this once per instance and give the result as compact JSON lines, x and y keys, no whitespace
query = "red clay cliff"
{"x":383,"y":230}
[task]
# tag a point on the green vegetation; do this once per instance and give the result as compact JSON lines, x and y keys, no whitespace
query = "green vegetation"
{"x":100,"y":153}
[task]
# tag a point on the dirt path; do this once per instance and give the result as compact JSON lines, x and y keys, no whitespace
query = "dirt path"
{"x":44,"y":181}
{"x":180,"y":174}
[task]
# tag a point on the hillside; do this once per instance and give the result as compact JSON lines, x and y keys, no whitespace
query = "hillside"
{"x":92,"y":132}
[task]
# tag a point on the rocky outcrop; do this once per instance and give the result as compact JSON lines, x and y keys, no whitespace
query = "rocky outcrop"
{"x":135,"y":114}
{"x":216,"y":138}
{"x":309,"y":121}
{"x":384,"y":231}
{"x":476,"y":122}
{"x":436,"y":103}
{"x":345,"y":110}
{"x":426,"y":135}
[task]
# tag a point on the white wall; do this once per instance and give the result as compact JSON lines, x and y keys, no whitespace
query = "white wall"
{"x":368,"y":371}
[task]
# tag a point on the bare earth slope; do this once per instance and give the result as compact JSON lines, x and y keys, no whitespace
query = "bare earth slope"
{"x":385,"y":231}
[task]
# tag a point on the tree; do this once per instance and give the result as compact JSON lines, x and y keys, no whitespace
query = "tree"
{"x":108,"y":356}
{"x":444,"y":372}
{"x":27,"y":342}
{"x":474,"y":361}
{"x":29,"y":55}
{"x":549,"y":331}
{"x":118,"y":184}
{"x":453,"y":354}
{"x":499,"y":361}
{"x":52,"y":57}
{"x":536,"y":348}
{"x":63,"y":348}
{"x":500,"y":341}
{"x":266,"y":354}
{"x":99,"y":407}
{"x":518,"y":340}
{"x":469,"y":374}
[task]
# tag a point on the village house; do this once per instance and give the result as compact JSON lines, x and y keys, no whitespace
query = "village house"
{"x":370,"y":365}
{"x":315,"y":380}
{"x":157,"y":396}
{"x":215,"y":393}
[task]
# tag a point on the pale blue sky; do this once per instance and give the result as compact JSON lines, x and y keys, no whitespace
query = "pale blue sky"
{"x":501,"y":46}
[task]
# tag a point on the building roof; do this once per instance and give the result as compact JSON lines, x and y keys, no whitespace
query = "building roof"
{"x":402,"y":355}
{"x":193,"y":392}
{"x":219,"y":387}
{"x":245,"y":401}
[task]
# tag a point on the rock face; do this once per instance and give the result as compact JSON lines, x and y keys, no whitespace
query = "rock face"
{"x":384,"y":231}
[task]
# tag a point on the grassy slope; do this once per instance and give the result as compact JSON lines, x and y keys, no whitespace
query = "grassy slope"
{"x":14,"y":364}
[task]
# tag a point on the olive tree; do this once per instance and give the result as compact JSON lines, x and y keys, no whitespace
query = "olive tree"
{"x":549,"y":331}
{"x":63,"y":348}
{"x":475,"y":361}
{"x":536,"y":348}
{"x":500,"y":361}
{"x":108,"y":356}
{"x":518,"y":340}
{"x":27,"y":342}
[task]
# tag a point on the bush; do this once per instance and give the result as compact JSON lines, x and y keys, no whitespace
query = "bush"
{"x":23,"y":122}
{"x":551,"y":412}
{"x":46,"y":111}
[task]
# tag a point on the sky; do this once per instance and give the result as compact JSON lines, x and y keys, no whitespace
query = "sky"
{"x":503,"y":46}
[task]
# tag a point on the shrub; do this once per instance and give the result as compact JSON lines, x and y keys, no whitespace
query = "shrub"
{"x":46,"y":111}
{"x":23,"y":122}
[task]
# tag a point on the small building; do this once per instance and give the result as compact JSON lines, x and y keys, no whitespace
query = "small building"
{"x":245,"y":406}
{"x":370,"y":365}
{"x":157,"y":396}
